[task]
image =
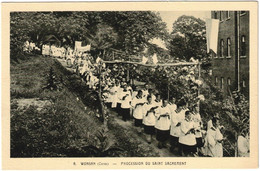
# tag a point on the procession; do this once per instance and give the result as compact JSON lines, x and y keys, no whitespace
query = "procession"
{"x":162,"y":118}
{"x":130,"y":84}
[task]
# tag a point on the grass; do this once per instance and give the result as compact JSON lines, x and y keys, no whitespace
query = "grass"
{"x":69,"y":124}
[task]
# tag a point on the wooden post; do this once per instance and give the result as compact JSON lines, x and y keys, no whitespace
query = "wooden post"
{"x":100,"y":97}
{"x":199,"y":86}
{"x":168,"y":90}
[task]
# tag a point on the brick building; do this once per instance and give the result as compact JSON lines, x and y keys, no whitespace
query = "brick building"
{"x":230,"y":65}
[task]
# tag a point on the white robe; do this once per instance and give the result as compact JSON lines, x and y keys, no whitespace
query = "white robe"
{"x":148,"y":119}
{"x":175,"y":119}
{"x":214,"y":148}
{"x":197,"y":124}
{"x":243,"y":146}
{"x":125,"y":97}
{"x":163,"y":123}
{"x":138,"y":109}
{"x":114,"y":95}
{"x":187,"y":139}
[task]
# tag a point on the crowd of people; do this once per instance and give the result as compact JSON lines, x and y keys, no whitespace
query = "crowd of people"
{"x":158,"y":117}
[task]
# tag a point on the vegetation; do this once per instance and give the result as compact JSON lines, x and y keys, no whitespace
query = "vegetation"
{"x":64,"y":127}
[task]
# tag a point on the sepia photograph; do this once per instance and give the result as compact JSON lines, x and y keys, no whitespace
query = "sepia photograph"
{"x":129,"y":83}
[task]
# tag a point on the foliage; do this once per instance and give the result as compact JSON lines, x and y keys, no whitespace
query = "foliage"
{"x":103,"y":147}
{"x":53,"y":81}
{"x":127,"y":31}
{"x":188,"y":38}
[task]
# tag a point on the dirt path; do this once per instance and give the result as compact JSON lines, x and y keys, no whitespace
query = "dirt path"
{"x":132,"y":131}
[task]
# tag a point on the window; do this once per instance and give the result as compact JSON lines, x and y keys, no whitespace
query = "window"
{"x":244,"y":83}
{"x":216,"y":81}
{"x":221,"y":48}
{"x":228,"y":47}
{"x":227,"y":14}
{"x":215,"y":15}
{"x":242,"y":12}
{"x":228,"y":81}
{"x":222,"y":83}
{"x":243,"y":46}
{"x":220,"y":16}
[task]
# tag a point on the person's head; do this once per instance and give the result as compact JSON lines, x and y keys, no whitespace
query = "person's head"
{"x":215,"y":122}
{"x":140,"y":93}
{"x":187,"y":115}
{"x":173,"y":100}
{"x":117,"y":83}
{"x":146,"y":86}
{"x":125,"y":87}
{"x":165,"y":102}
{"x":112,"y":84}
{"x":149,"y":99}
{"x":150,"y":91}
{"x":158,"y":96}
{"x":134,"y":88}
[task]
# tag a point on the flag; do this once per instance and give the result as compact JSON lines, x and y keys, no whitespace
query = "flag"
{"x":144,"y":60}
{"x":98,"y":60}
{"x":77,"y":44}
{"x":212,"y":27}
{"x":155,"y":60}
{"x":84,"y":48}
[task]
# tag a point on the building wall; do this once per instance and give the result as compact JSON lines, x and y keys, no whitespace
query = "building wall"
{"x":225,"y":67}
{"x":244,"y":61}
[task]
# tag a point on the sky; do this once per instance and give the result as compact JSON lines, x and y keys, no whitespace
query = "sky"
{"x":170,"y":16}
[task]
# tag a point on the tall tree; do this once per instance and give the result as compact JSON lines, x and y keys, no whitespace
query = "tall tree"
{"x":188,"y":38}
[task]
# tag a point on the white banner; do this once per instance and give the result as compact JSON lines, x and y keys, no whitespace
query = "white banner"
{"x":212,"y":28}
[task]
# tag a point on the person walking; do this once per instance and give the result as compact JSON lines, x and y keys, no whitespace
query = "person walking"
{"x":162,"y":124}
{"x":149,"y":119}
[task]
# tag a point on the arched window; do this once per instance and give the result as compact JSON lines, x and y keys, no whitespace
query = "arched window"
{"x":222,"y":83}
{"x":227,"y":14}
{"x":228,"y":47}
{"x":221,"y":48}
{"x":243,"y":46}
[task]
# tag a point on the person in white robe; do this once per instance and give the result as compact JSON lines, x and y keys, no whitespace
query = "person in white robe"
{"x":110,"y":94}
{"x":163,"y":123}
{"x":145,"y":91}
{"x":137,"y":103}
{"x":214,"y":140}
{"x":157,"y":101}
{"x":187,"y":137}
{"x":125,"y":97}
{"x":243,"y":144}
{"x":149,"y":119}
{"x":172,"y":104}
{"x":114,"y":94}
{"x":119,"y":99}
{"x":197,"y":124}
{"x":177,"y":116}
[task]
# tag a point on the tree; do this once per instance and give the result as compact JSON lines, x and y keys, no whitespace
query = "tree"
{"x":135,"y":29}
{"x":104,"y":38}
{"x":188,"y":38}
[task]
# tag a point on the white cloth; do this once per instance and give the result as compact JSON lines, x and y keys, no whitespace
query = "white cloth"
{"x":125,"y":97}
{"x":243,"y":146}
{"x":175,"y":119}
{"x":214,"y":148}
{"x":149,"y":117}
{"x":187,"y":139}
{"x":163,"y":123}
{"x":172,"y":107}
{"x":114,"y":95}
{"x":197,"y":124}
{"x":157,"y":104}
{"x":145,"y":93}
{"x":138,"y":109}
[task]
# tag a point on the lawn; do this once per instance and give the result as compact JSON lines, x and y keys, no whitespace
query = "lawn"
{"x":63,"y":122}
